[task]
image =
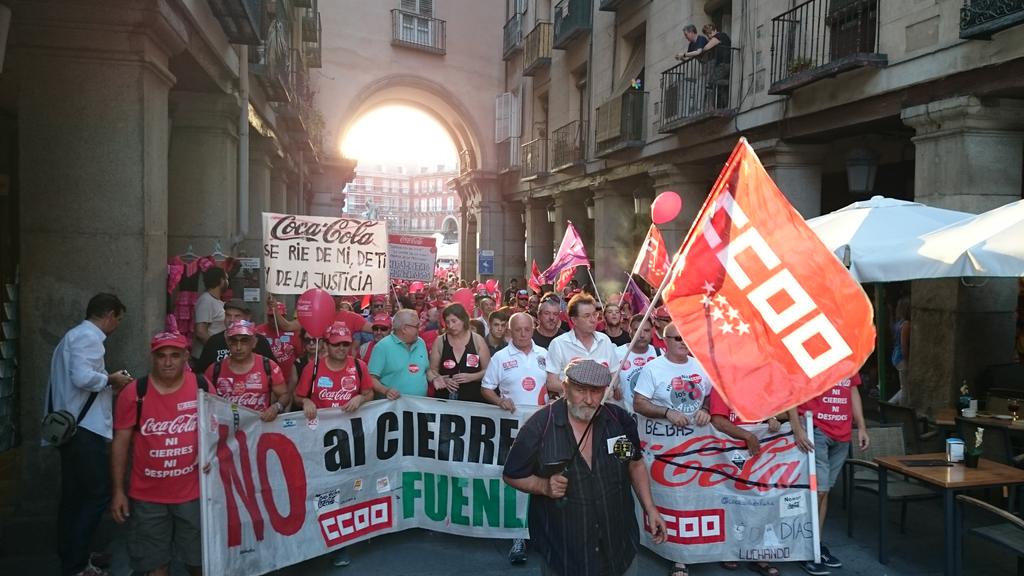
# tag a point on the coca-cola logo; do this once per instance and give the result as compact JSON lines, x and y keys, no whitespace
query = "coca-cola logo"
{"x":253,"y":400}
{"x":338,"y":231}
{"x":696,"y":461}
{"x":181,"y":424}
{"x":336,"y":395}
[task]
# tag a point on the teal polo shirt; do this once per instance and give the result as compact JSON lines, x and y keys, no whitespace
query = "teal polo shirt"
{"x":400,"y":366}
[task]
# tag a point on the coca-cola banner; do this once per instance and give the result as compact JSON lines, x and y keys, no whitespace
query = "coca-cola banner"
{"x":720,"y":503}
{"x":412,"y":257}
{"x":277,"y":493}
{"x":343,"y":256}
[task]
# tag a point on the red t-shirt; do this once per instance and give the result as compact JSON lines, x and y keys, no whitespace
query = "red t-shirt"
{"x":833,"y":410}
{"x":333,"y":389}
{"x":250,"y":389}
{"x":353,"y":321}
{"x":165,"y":448}
{"x":283,"y":346}
{"x":718,"y":407}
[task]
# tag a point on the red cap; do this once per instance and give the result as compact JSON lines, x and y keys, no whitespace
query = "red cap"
{"x":240,"y":328}
{"x":382,"y":320}
{"x":168,"y":339}
{"x":379,"y":299}
{"x":661,"y":313}
{"x":337,"y":333}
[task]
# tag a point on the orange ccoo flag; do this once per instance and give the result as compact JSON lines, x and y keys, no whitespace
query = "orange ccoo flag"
{"x":769,"y":312}
{"x":652,"y":261}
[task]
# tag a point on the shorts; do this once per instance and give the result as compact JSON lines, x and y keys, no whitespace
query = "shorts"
{"x":829,"y":456}
{"x":157,"y":531}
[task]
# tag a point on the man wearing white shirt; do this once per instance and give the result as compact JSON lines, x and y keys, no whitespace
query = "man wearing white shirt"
{"x":77,"y":372}
{"x":632,"y":360}
{"x":517,"y":372}
{"x":583,"y":341}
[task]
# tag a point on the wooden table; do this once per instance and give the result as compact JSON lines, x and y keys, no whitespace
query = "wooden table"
{"x":948,"y":480}
{"x":946,"y":417}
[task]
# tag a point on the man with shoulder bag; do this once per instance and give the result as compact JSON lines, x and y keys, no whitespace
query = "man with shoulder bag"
{"x":79,"y":421}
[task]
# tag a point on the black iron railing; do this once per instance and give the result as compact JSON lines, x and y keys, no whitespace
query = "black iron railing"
{"x":621,"y":122}
{"x":980,"y":19}
{"x":696,"y":89}
{"x":568,"y":145}
{"x":508,"y":154}
{"x":412,"y":30}
{"x":821,"y":38}
{"x":240,"y":19}
{"x":610,"y":5}
{"x":537,"y":49}
{"x":271,"y":63}
{"x":572,"y":19}
{"x":534,"y":159}
{"x":513,"y":36}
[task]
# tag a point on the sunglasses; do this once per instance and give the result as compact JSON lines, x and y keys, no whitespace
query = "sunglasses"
{"x":676,"y":338}
{"x":339,"y":344}
{"x":308,"y":341}
{"x":380,"y":329}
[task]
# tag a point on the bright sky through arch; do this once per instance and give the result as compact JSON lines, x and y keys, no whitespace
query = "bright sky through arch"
{"x":399,"y":135}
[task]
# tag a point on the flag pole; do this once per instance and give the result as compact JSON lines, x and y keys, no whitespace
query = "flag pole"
{"x":594,"y":284}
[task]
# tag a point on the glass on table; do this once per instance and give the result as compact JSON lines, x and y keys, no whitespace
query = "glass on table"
{"x":1013,"y":405}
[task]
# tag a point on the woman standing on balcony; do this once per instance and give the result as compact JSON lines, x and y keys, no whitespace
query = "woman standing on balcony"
{"x":719,"y":62}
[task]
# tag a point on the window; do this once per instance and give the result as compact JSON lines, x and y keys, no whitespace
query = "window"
{"x":506,"y":117}
{"x":421,"y":7}
{"x":451,"y":203}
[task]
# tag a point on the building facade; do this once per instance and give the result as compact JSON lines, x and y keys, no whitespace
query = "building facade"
{"x":413,"y":200}
{"x":842,"y":99}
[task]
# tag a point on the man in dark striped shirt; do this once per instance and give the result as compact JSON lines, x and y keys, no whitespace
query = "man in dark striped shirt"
{"x":578,"y":458}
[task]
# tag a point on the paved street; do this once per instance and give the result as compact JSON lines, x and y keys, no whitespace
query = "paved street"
{"x":422,"y":553}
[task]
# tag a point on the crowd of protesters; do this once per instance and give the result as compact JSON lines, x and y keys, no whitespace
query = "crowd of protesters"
{"x":508,"y":348}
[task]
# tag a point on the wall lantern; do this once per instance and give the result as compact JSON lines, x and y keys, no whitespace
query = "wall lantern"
{"x":589,"y":203}
{"x":861,"y":169}
{"x":551,"y":213}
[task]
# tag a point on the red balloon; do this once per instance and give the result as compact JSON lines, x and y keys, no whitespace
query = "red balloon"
{"x":464,"y":296}
{"x":415,"y":287}
{"x":315,"y":311}
{"x":491,"y":284}
{"x":666,"y":207}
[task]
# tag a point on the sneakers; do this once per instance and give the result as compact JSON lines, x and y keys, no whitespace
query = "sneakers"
{"x":91,"y":570}
{"x":341,"y":558}
{"x":517,"y":554}
{"x":99,"y":560}
{"x":828,"y":559}
{"x":815,"y":569}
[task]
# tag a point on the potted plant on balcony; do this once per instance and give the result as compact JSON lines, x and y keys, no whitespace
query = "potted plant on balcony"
{"x":797,"y":65}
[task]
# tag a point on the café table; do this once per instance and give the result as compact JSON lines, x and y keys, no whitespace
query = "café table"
{"x":946,"y":418}
{"x":946,"y":479}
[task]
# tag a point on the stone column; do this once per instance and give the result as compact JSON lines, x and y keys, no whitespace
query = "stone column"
{"x":467,"y":265}
{"x":203,"y":172}
{"x":967,"y":157}
{"x":279,"y":180}
{"x":796,"y":170}
{"x":262,"y":154}
{"x":539,"y":243}
{"x":92,"y":107}
{"x":614,"y":248}
{"x":514,"y":260}
{"x":491,"y":235}
{"x":693,"y":183}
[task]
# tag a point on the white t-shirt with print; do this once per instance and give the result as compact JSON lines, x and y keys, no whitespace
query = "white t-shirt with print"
{"x":682,"y":387}
{"x":630,"y":364}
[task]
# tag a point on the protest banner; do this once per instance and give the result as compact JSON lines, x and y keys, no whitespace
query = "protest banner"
{"x":281,"y":492}
{"x":343,"y":256}
{"x":412,"y":257}
{"x":721,"y":504}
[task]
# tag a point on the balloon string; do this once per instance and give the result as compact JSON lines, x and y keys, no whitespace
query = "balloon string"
{"x":316,"y":354}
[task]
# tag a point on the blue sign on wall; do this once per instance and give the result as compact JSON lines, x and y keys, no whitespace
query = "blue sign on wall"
{"x":485,"y":262}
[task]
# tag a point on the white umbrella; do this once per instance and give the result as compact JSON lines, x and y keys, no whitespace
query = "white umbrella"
{"x":864,"y":234}
{"x":989,"y":244}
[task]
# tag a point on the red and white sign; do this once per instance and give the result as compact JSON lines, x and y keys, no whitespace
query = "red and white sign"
{"x":411,"y":257}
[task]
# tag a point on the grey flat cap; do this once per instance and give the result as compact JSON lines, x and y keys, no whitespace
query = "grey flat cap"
{"x":238,"y":304}
{"x":588,"y":373}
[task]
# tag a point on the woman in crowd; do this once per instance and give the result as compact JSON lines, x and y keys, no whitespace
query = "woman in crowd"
{"x":458,"y":358}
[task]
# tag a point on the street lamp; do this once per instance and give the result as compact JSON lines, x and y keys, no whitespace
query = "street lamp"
{"x":551,"y":213}
{"x":589,"y":203}
{"x":861,"y":169}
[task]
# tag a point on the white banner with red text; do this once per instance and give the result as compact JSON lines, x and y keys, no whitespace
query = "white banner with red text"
{"x":277,"y":493}
{"x":343,"y":256}
{"x":412,"y":257}
{"x":722,"y":504}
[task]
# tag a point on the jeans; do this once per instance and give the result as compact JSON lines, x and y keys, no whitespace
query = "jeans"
{"x":84,"y":496}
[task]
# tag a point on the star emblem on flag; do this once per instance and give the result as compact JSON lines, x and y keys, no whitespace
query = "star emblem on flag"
{"x":725,"y":318}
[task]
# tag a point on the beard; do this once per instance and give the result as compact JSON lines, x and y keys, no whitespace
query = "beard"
{"x":582,"y":413}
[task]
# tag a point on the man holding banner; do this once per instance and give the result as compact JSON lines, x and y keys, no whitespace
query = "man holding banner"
{"x":578,"y":459}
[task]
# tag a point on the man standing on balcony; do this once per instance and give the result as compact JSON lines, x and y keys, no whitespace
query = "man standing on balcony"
{"x":696,"y":41}
{"x":719,"y":59}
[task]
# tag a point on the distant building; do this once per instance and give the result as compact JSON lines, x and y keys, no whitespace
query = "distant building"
{"x":413,"y":200}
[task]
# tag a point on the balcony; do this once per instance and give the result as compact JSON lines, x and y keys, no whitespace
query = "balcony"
{"x":820,"y":39}
{"x":271,"y":63}
{"x":240,"y":20}
{"x":537,"y":50}
{"x":534,"y":159}
{"x":697,"y":90}
{"x":980,"y":19}
{"x":610,"y":5}
{"x":410,"y":30}
{"x":568,"y":146}
{"x":572,"y":20}
{"x":508,"y":155}
{"x":621,"y":122}
{"x":312,"y":46}
{"x":513,"y":36}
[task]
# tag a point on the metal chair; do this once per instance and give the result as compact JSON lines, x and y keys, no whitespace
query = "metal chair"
{"x":861,"y":473}
{"x":915,"y":428}
{"x":1009,"y":533}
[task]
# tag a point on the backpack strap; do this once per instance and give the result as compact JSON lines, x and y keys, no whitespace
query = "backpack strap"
{"x":201,"y":383}
{"x":656,"y":351}
{"x":359,"y":370}
{"x":216,"y":371}
{"x":141,"y":387}
{"x":270,"y":383}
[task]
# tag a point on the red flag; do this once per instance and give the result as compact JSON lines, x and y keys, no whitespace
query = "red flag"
{"x":771,"y":314}
{"x":365,"y":303}
{"x":652,"y":261}
{"x":535,"y":279}
{"x":564,"y":277}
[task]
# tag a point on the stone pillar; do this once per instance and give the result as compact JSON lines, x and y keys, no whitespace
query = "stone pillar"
{"x":328,"y":187}
{"x":92,"y":110}
{"x":292,"y":198}
{"x":203,"y":172}
{"x":614,"y":248}
{"x":539,"y":243}
{"x":968,"y":157}
{"x":467,"y":264}
{"x":514,"y":250}
{"x":693,"y":183}
{"x":279,"y":187}
{"x":796,"y":170}
{"x":262,"y":154}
